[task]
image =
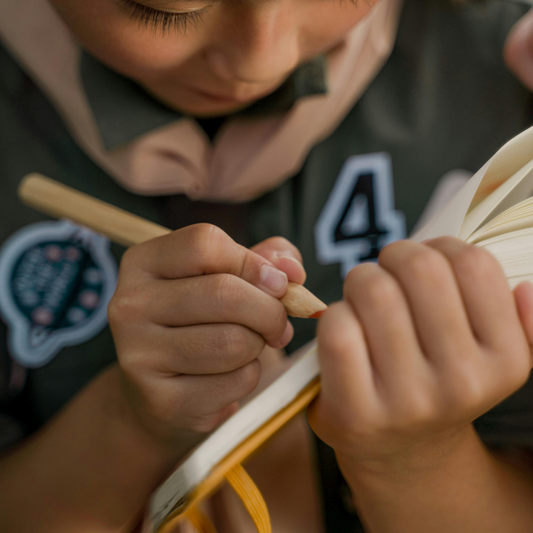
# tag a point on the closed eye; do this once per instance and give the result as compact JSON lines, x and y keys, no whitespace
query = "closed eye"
{"x":162,"y":21}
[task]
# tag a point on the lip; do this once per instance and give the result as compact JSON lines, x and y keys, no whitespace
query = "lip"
{"x":229,"y":99}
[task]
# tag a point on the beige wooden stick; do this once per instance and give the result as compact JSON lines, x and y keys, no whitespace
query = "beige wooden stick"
{"x":60,"y":201}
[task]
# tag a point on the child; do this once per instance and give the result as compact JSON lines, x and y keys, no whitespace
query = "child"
{"x":108,"y":89}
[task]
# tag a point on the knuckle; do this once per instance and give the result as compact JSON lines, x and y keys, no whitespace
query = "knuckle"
{"x":390,"y":250}
{"x":427,"y":264}
{"x":130,"y":255}
{"x":226,"y":290}
{"x":202,"y":242}
{"x":367,"y":430}
{"x":235,"y":342}
{"x":416,"y":411}
{"x":133,"y":364}
{"x":205,"y":232}
{"x":278,"y":317}
{"x":475,"y":261}
{"x":125,"y":308}
{"x":466,"y":389}
{"x":444,"y":240}
{"x":248,"y":377}
{"x":330,"y":337}
{"x":357,"y":274}
{"x":378,"y":290}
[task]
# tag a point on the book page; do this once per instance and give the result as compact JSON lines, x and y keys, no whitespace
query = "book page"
{"x":507,"y":162}
{"x":518,"y":217}
{"x":450,"y":219}
{"x":510,"y":192}
{"x":514,"y":252}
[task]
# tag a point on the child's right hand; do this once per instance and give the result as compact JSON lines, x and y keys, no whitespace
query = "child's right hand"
{"x":192,"y":312}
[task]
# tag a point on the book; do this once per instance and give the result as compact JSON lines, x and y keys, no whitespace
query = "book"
{"x":492,"y":210}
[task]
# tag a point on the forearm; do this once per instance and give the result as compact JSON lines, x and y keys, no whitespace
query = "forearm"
{"x":91,"y":469}
{"x":468,"y":490}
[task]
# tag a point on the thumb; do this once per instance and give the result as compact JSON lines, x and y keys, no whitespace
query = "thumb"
{"x":284,"y":256}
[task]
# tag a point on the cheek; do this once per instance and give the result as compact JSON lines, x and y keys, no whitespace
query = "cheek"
{"x":329,"y":21}
{"x":121,"y":43}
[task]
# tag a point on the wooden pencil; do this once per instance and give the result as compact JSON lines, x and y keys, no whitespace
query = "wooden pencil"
{"x":60,"y":201}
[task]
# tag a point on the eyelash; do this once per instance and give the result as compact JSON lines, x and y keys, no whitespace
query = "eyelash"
{"x":161,"y":21}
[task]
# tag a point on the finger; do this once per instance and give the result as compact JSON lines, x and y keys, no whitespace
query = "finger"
{"x":434,"y":299}
{"x":284,"y":256}
{"x":384,"y":314}
{"x":200,"y":349}
{"x":346,"y":369}
{"x":184,"y":399}
{"x":214,"y":299}
{"x":523,"y":294}
{"x":285,"y":338}
{"x":203,"y":249}
{"x":485,"y":292}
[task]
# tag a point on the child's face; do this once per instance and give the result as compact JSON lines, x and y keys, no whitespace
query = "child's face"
{"x":209,"y":57}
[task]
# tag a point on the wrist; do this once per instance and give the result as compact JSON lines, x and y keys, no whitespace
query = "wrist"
{"x":413,"y":461}
{"x":457,"y":485}
{"x":168,"y":436}
{"x":127,"y":423}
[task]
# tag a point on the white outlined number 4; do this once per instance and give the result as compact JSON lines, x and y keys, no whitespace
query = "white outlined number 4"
{"x":359,"y":218}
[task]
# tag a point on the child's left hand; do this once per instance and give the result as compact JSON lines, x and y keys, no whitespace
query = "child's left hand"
{"x":426,"y":341}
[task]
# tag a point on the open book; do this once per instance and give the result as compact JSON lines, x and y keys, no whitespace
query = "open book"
{"x":492,"y":210}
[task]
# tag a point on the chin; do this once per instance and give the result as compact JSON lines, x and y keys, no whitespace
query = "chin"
{"x":201,"y":104}
{"x":197,"y":105}
{"x":207,"y":111}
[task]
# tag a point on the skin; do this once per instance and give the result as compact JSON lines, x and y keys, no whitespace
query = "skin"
{"x":414,"y":354}
{"x":239,"y":52}
{"x":232,"y":312}
{"x":518,"y":51}
{"x":399,"y":393}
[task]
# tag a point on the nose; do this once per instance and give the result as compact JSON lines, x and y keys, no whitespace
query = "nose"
{"x":259,"y":43}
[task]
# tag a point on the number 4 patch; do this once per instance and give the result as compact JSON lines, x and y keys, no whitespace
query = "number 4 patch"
{"x":359,"y":218}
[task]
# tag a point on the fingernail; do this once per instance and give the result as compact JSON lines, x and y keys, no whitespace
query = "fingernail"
{"x":291,"y":258}
{"x":288,"y":254}
{"x":272,"y":278}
